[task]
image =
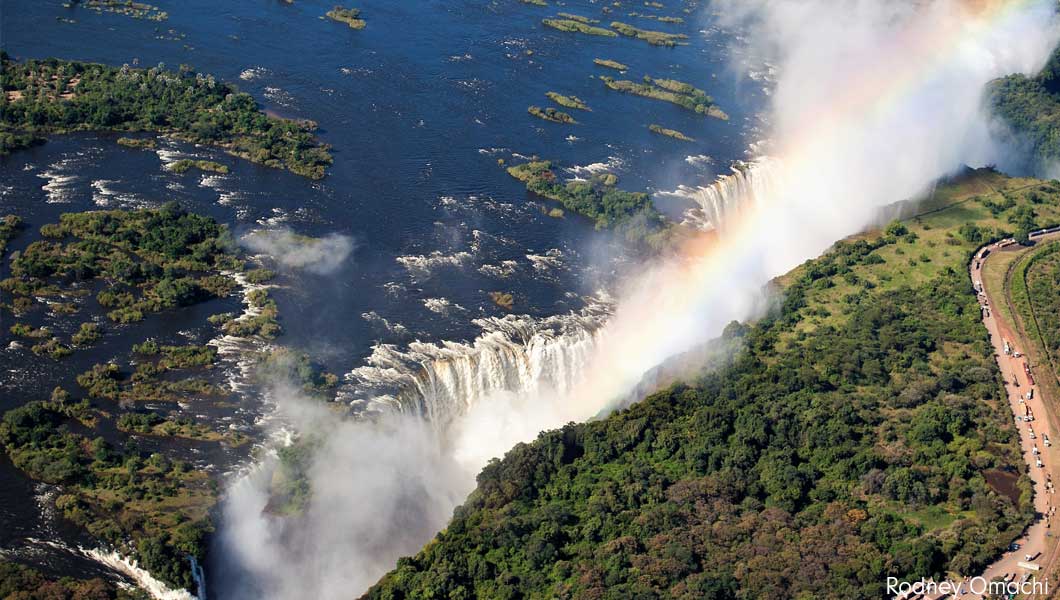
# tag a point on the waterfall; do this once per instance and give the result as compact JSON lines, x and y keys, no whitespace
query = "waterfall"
{"x":122,"y":564}
{"x":518,"y":354}
{"x":199,"y":574}
{"x":515,"y":354}
{"x":748,"y":184}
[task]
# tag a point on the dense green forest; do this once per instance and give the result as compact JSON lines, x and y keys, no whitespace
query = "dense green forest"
{"x":18,"y":582}
{"x":56,"y":96}
{"x":148,"y":506}
{"x":859,"y":433}
{"x":1031,"y":106}
{"x":149,"y":260}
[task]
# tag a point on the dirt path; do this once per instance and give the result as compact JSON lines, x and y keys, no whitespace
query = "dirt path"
{"x":1037,"y":545}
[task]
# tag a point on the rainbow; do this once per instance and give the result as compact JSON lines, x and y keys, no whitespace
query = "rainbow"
{"x":713,"y":279}
{"x":897,"y":106}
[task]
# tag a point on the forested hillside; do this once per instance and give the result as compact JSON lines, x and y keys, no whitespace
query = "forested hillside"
{"x":1031,"y":107}
{"x":859,"y":434}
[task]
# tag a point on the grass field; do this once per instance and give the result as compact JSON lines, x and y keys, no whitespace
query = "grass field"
{"x":933,"y":241}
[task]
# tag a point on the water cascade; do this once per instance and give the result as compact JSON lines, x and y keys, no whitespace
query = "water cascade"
{"x":519,"y":355}
{"x":715,"y":204}
{"x":515,"y":354}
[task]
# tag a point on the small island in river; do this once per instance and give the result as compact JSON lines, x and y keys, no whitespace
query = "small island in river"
{"x":349,"y":16}
{"x":56,"y":96}
{"x":669,"y":90}
{"x":551,"y":114}
{"x":677,"y":135}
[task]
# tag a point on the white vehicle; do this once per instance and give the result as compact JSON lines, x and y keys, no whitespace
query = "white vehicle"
{"x":1029,"y":566}
{"x":1038,"y":462}
{"x":1030,"y":394}
{"x":1034,"y":450}
{"x":1031,"y":432}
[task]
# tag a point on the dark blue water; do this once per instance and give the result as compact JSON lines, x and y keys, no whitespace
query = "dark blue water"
{"x":419,"y":106}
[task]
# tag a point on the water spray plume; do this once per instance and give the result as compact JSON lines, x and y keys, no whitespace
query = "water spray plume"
{"x":874,"y":102}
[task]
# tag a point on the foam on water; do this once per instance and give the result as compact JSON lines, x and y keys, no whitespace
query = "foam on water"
{"x":420,"y":266}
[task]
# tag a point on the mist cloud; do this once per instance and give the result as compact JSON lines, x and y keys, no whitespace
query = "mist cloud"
{"x":379,"y":491}
{"x":317,"y":255}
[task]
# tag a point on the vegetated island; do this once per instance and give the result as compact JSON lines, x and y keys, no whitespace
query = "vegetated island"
{"x":9,"y":141}
{"x":149,"y":507}
{"x":55,"y":96}
{"x":572,"y":25}
{"x":655,"y":38}
{"x":669,"y":90}
{"x":677,"y":135}
{"x":10,"y":226}
{"x":146,"y":506}
{"x":186,"y":164}
{"x":551,"y":114}
{"x":862,"y":417}
{"x":578,"y":18}
{"x":136,"y":10}
{"x":568,"y":101}
{"x":610,"y":64}
{"x":149,"y":260}
{"x":630,"y":213}
{"x":349,"y":16}
{"x":142,"y":143}
{"x":661,"y":19}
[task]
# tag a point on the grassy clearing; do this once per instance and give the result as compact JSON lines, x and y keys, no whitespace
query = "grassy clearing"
{"x":934,"y":242}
